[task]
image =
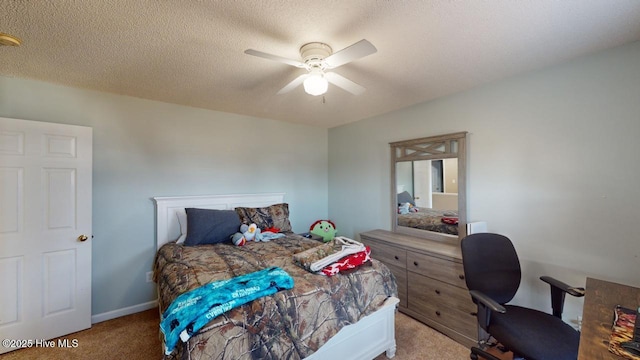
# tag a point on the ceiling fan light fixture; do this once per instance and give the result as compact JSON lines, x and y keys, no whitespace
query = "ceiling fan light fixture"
{"x":316,"y":58}
{"x":9,"y":40}
{"x":315,"y":84}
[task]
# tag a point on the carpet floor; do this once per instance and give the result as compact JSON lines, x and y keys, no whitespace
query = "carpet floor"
{"x":135,"y":337}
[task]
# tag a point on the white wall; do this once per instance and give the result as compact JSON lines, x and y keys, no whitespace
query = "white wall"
{"x":553,"y":164}
{"x":145,"y":148}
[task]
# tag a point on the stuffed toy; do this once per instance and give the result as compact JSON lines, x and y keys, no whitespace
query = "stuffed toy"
{"x":325,"y":229}
{"x":403,"y":209}
{"x":406,"y":208}
{"x":249,"y":231}
{"x":238,"y":239}
{"x":253,"y":232}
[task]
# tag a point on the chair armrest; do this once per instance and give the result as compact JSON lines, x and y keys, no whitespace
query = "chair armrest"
{"x":558,"y":289}
{"x":486,"y":306}
{"x":487,"y":301}
{"x":571,"y":290}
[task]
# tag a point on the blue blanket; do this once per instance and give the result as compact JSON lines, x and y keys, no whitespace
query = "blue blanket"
{"x":190,"y":311}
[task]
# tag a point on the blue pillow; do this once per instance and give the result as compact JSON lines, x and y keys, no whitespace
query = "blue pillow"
{"x":210,"y":226}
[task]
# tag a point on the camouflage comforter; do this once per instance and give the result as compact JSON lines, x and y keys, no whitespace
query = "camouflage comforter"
{"x":429,"y":219}
{"x":291,"y":324}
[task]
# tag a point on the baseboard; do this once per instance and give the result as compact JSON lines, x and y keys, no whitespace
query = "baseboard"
{"x":124,"y":311}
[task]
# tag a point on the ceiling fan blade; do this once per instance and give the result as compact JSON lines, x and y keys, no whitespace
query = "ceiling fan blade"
{"x":277,"y":58}
{"x":344,"y":83}
{"x":356,"y":51}
{"x":293,"y":84}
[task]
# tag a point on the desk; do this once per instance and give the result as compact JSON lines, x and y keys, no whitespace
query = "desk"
{"x":600,"y":299}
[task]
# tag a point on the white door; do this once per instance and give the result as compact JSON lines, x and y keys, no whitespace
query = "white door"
{"x":422,"y":183}
{"x":45,"y":215}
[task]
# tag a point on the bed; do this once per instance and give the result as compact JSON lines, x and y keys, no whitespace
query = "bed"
{"x":347,"y":316}
{"x":430,"y":219}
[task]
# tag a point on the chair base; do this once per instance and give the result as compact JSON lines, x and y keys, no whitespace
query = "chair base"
{"x":475,"y":352}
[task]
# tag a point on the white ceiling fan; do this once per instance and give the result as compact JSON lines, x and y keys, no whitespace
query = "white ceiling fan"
{"x":318,"y":57}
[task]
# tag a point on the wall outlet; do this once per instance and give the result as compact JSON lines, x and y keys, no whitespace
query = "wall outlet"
{"x":149,"y":276}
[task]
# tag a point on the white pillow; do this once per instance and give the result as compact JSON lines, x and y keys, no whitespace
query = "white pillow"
{"x":182,"y":220}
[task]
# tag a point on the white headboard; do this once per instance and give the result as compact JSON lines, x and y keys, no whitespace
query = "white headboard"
{"x":168,"y":227}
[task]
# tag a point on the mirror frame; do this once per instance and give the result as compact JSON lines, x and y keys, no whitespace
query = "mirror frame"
{"x":428,"y":148}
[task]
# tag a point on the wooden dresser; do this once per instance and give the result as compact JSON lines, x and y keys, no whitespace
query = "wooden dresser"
{"x":430,"y":279}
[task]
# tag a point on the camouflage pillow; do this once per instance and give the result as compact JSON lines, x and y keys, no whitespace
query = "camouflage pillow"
{"x":276,"y":215}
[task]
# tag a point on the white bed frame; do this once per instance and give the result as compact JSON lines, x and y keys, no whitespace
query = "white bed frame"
{"x":368,"y":338}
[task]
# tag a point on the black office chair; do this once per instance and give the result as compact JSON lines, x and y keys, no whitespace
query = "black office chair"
{"x":492,"y":273}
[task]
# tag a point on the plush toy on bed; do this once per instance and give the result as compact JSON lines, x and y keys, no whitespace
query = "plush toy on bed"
{"x":325,"y":229}
{"x":406,"y":208}
{"x":238,"y":239}
{"x":403,"y":208}
{"x":251,"y":232}
{"x":247,"y":233}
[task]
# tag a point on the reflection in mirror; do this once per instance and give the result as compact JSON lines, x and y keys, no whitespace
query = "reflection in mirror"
{"x":428,"y":187}
{"x":431,"y":183}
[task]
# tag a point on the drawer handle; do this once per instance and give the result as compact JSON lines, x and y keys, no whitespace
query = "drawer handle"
{"x":438,"y":312}
{"x":415,"y":263}
{"x":461,"y":277}
{"x":396,"y":257}
{"x":473,"y":313}
{"x":437,"y":291}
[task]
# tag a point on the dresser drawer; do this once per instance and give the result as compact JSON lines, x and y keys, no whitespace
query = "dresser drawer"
{"x":433,"y":291}
{"x":444,"y":270}
{"x":387,"y":254}
{"x":448,"y":305}
{"x":401,"y":281}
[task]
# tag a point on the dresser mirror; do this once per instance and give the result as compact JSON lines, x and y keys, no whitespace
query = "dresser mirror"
{"x":428,"y":187}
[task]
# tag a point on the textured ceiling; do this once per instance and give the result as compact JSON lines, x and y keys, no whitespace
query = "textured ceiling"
{"x":192,"y":52}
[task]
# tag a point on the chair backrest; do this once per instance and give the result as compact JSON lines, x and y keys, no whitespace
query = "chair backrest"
{"x":491,"y":265}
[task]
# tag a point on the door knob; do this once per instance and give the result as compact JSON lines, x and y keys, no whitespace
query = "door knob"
{"x":83,"y":237}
